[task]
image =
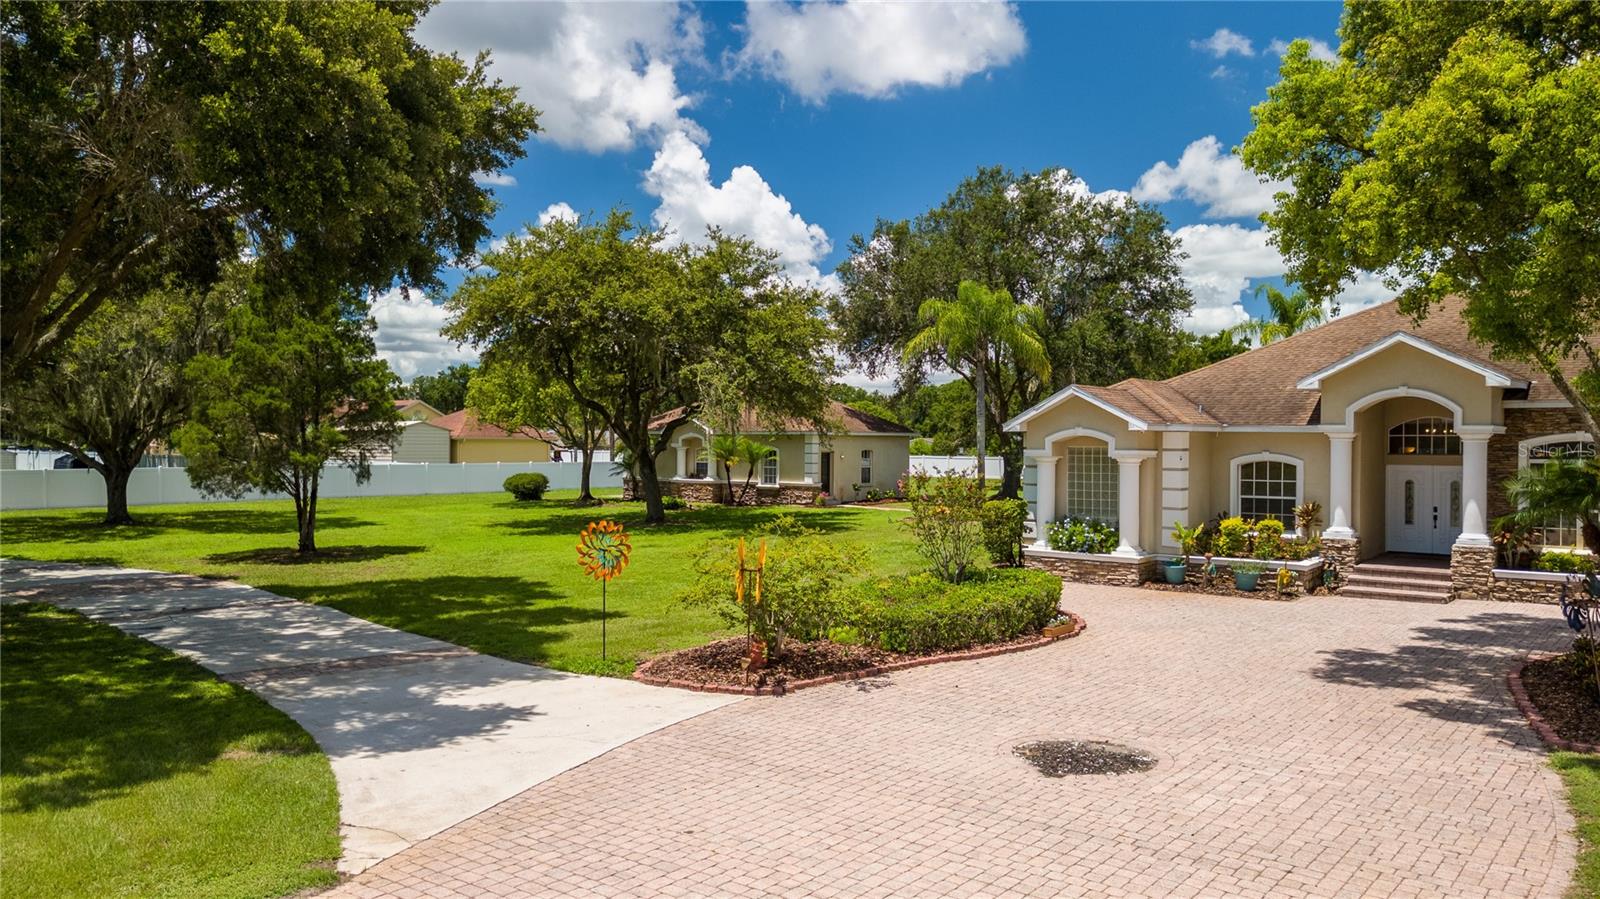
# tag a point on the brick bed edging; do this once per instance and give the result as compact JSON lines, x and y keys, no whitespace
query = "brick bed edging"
{"x":642,"y":675}
{"x":1519,"y":694}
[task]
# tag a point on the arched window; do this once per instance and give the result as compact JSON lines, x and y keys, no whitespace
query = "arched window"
{"x":1424,"y":437}
{"x":769,"y":469}
{"x":1092,"y":484}
{"x":1560,"y":530}
{"x":1267,"y":485}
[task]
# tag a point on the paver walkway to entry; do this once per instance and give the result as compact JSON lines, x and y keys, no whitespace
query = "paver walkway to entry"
{"x":1325,"y":747}
{"x":420,"y":733}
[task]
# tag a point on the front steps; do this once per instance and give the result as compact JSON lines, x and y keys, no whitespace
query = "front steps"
{"x":1388,"y":578}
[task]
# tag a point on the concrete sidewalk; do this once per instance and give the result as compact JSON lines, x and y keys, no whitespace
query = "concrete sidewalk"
{"x":421,"y":733}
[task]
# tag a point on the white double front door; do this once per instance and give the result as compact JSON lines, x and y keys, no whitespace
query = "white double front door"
{"x":1424,"y":508}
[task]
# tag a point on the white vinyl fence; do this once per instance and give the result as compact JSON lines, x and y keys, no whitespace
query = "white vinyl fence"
{"x":993,"y":466}
{"x":72,"y":488}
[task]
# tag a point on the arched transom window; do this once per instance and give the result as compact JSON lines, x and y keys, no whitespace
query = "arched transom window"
{"x":1424,"y":437}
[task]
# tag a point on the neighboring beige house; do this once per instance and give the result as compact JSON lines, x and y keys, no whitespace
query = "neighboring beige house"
{"x":416,"y":410}
{"x":1403,"y":432}
{"x":418,"y":441}
{"x":858,"y":452}
{"x":474,"y":441}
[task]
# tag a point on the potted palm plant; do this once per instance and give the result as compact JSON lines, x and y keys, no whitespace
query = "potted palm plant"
{"x":1176,"y":570}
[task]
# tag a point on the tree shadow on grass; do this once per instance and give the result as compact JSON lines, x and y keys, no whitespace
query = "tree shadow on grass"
{"x":87,"y":527}
{"x":713,"y":521}
{"x":510,"y":617}
{"x":91,"y":713}
{"x":1461,"y":663}
{"x":287,"y":555}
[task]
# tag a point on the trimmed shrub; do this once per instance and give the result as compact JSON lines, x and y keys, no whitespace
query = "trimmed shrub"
{"x":673,"y":503}
{"x":1003,"y":523}
{"x":920,"y":613}
{"x":802,"y":596}
{"x":1233,"y":538}
{"x":1082,"y":535}
{"x":1564,"y":562}
{"x":1269,"y":539}
{"x":527,"y":486}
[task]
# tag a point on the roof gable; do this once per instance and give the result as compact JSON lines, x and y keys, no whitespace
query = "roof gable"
{"x":1492,"y":376}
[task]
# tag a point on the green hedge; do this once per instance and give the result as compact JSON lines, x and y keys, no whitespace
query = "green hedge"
{"x":920,"y":613}
{"x":526,"y":486}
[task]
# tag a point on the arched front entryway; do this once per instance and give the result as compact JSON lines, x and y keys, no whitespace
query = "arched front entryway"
{"x":1081,"y":472}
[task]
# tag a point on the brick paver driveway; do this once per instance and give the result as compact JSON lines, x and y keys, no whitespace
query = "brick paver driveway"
{"x":1327,"y":747}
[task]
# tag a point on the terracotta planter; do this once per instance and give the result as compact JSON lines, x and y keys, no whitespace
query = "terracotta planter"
{"x":758,"y":654}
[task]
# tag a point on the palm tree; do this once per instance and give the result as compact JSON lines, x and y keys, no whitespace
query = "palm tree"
{"x":976,"y":332}
{"x":1563,"y":486}
{"x":752,"y":453}
{"x":1287,"y":314}
{"x":726,"y":450}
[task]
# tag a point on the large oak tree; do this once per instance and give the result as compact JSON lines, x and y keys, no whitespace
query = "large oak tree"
{"x":1102,"y":271}
{"x":148,"y":141}
{"x":633,"y":328}
{"x":1454,"y":147}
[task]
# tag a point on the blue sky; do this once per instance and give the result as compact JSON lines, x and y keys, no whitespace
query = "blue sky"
{"x":802,"y":125}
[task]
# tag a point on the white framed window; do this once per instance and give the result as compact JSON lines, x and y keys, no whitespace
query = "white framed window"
{"x":1424,"y":437}
{"x":1093,"y":484}
{"x":866,"y":466}
{"x":1561,"y":530}
{"x":702,"y":464}
{"x":1267,"y":485}
{"x":769,"y":469}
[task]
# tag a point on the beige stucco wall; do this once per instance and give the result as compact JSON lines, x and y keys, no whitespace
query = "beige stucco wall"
{"x":1407,"y":366}
{"x":503,"y":449}
{"x":422,"y":442}
{"x":891,"y":457}
{"x":1077,"y":412}
{"x":1309,"y":449}
{"x":1369,"y":458}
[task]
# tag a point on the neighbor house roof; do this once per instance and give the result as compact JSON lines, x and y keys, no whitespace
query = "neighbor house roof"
{"x":841,"y":419}
{"x":464,"y":425}
{"x":403,"y":405}
{"x":1277,"y":384}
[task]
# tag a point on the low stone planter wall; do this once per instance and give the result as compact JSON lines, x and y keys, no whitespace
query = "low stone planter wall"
{"x":694,"y":490}
{"x":1092,"y":568}
{"x":1512,"y":585}
{"x":1307,"y":572}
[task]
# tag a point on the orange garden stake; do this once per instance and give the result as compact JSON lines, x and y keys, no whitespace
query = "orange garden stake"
{"x":748,"y":580}
{"x":603,"y":550}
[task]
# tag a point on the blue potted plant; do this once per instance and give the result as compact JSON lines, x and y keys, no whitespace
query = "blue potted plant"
{"x":1246,"y":574}
{"x":1177,"y":570}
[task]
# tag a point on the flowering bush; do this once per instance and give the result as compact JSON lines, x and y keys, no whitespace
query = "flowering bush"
{"x":1082,"y":535}
{"x":946,"y":517}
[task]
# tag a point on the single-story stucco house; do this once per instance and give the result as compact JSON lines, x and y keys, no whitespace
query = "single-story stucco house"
{"x":472,"y":440}
{"x":856,"y":452}
{"x":1404,"y":432}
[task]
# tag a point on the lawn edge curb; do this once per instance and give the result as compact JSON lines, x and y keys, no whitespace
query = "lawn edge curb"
{"x":1547,"y":734}
{"x":642,"y":673}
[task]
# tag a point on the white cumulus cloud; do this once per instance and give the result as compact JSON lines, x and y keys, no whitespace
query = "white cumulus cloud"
{"x":1223,"y":260}
{"x":557,"y":212}
{"x":408,"y":335}
{"x":495,"y":179}
{"x":1223,"y":42}
{"x":1210,"y":177}
{"x":1319,"y":49}
{"x":872,"y":49}
{"x":601,"y":74}
{"x":743,"y":204}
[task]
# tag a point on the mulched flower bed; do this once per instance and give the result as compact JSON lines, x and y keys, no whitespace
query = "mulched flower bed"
{"x":1562,"y":711}
{"x":1224,"y":587}
{"x":715,"y":667}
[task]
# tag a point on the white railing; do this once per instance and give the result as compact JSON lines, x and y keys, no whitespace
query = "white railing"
{"x":993,"y":466}
{"x":73,"y":488}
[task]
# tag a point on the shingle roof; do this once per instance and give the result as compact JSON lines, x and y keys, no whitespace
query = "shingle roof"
{"x":846,"y":419}
{"x":464,"y":424}
{"x":1258,"y":387}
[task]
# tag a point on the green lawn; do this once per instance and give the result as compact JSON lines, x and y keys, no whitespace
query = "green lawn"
{"x":128,"y":771}
{"x":479,"y":570}
{"x":1582,"y":774}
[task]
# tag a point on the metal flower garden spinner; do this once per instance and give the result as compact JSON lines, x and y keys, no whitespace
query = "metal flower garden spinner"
{"x":603,"y":550}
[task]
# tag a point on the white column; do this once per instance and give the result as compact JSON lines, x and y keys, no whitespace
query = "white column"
{"x":1044,"y":510}
{"x":683,"y":460}
{"x":1340,"y":478}
{"x":1128,"y":504}
{"x":1474,"y":491}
